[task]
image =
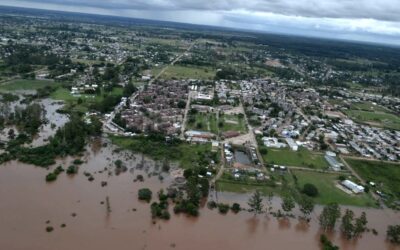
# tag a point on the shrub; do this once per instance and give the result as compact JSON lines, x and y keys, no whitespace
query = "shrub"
{"x":310,"y":190}
{"x":72,"y":170}
{"x":223,"y":208}
{"x":145,"y":194}
{"x":49,"y":229}
{"x":235,"y":207}
{"x":211,"y":204}
{"x":51,"y":177}
{"x":77,"y":162}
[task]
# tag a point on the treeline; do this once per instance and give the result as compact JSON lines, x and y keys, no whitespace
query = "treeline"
{"x":21,"y":57}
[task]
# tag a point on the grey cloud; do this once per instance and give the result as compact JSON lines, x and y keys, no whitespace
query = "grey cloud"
{"x":387,"y":10}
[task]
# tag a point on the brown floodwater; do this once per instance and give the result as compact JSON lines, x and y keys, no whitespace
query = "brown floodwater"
{"x":27,"y":202}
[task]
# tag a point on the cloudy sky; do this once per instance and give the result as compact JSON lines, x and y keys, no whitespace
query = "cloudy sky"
{"x":362,"y":20}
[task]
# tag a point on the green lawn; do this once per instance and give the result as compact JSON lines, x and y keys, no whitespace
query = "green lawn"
{"x":233,"y":123}
{"x":367,"y":106}
{"x":25,"y":84}
{"x":328,"y":192}
{"x":203,"y":121}
{"x":87,"y":100}
{"x":301,"y":158}
{"x":380,"y":119}
{"x":385,"y":175}
{"x":186,"y":72}
{"x":187,"y":155}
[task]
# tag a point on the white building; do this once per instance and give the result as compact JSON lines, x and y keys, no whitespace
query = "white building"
{"x":352,"y":186}
{"x":292,"y":144}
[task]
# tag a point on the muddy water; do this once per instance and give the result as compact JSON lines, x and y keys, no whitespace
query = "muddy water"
{"x":27,"y":202}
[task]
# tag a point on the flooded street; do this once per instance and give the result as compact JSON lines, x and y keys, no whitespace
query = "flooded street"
{"x":28,"y":202}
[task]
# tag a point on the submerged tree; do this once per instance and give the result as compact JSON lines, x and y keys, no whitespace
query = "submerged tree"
{"x":393,"y":234}
{"x":306,"y":205}
{"x":255,"y":202}
{"x":329,"y":216}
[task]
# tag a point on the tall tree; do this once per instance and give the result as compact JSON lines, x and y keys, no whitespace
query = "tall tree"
{"x":361,"y":225}
{"x":329,"y":216}
{"x":306,"y":205}
{"x":287,"y":204}
{"x":347,"y":226}
{"x":393,"y":234}
{"x":255,"y":202}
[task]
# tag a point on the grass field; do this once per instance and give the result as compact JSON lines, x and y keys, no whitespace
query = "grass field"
{"x":204,"y":122}
{"x":300,"y":158}
{"x":379,"y":119}
{"x":87,"y":100}
{"x":187,"y":155}
{"x":385,"y":175}
{"x":185,"y":72}
{"x":25,"y":84}
{"x":367,"y":106}
{"x":328,"y":193}
{"x":233,"y":123}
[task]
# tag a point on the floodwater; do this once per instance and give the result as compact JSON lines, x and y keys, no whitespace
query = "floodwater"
{"x":27,"y":202}
{"x":242,"y":157}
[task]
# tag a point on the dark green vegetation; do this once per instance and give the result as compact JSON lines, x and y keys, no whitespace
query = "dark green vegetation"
{"x":353,"y":227}
{"x":145,"y":194}
{"x":385,"y":175}
{"x":28,"y":120}
{"x":68,"y":140}
{"x":393,"y":234}
{"x":155,"y":146}
{"x":327,"y":244}
{"x":330,"y":214}
{"x":53,"y":175}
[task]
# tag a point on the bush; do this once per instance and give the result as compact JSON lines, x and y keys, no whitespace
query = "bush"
{"x":235,"y":207}
{"x":77,"y":162}
{"x":310,"y":190}
{"x":145,"y":194}
{"x":211,"y":204}
{"x":72,"y":170}
{"x":223,"y":208}
{"x":49,"y":229}
{"x":51,"y":177}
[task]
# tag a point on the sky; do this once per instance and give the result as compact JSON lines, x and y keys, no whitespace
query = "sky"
{"x":375,"y":21}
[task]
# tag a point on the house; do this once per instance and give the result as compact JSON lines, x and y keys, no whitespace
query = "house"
{"x":273,"y":142}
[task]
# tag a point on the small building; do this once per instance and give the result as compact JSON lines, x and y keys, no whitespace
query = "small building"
{"x":292,"y":144}
{"x":352,"y":186}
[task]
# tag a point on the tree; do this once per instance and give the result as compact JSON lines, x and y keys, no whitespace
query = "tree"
{"x":329,"y":216}
{"x":287,"y":204}
{"x":11,"y":134}
{"x":145,"y":194}
{"x":306,"y":205}
{"x":327,"y":244}
{"x":393,"y":234}
{"x":310,"y":190}
{"x":347,"y":226}
{"x":361,"y":225}
{"x":255,"y":202}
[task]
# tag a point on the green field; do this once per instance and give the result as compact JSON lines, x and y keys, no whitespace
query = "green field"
{"x":301,"y":158}
{"x":385,"y":175}
{"x":71,"y":101}
{"x":367,"y":106}
{"x":379,"y":119}
{"x":187,"y":155}
{"x":25,"y":84}
{"x":328,"y":192}
{"x":186,"y":72}
{"x":233,"y":123}
{"x":204,"y":122}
